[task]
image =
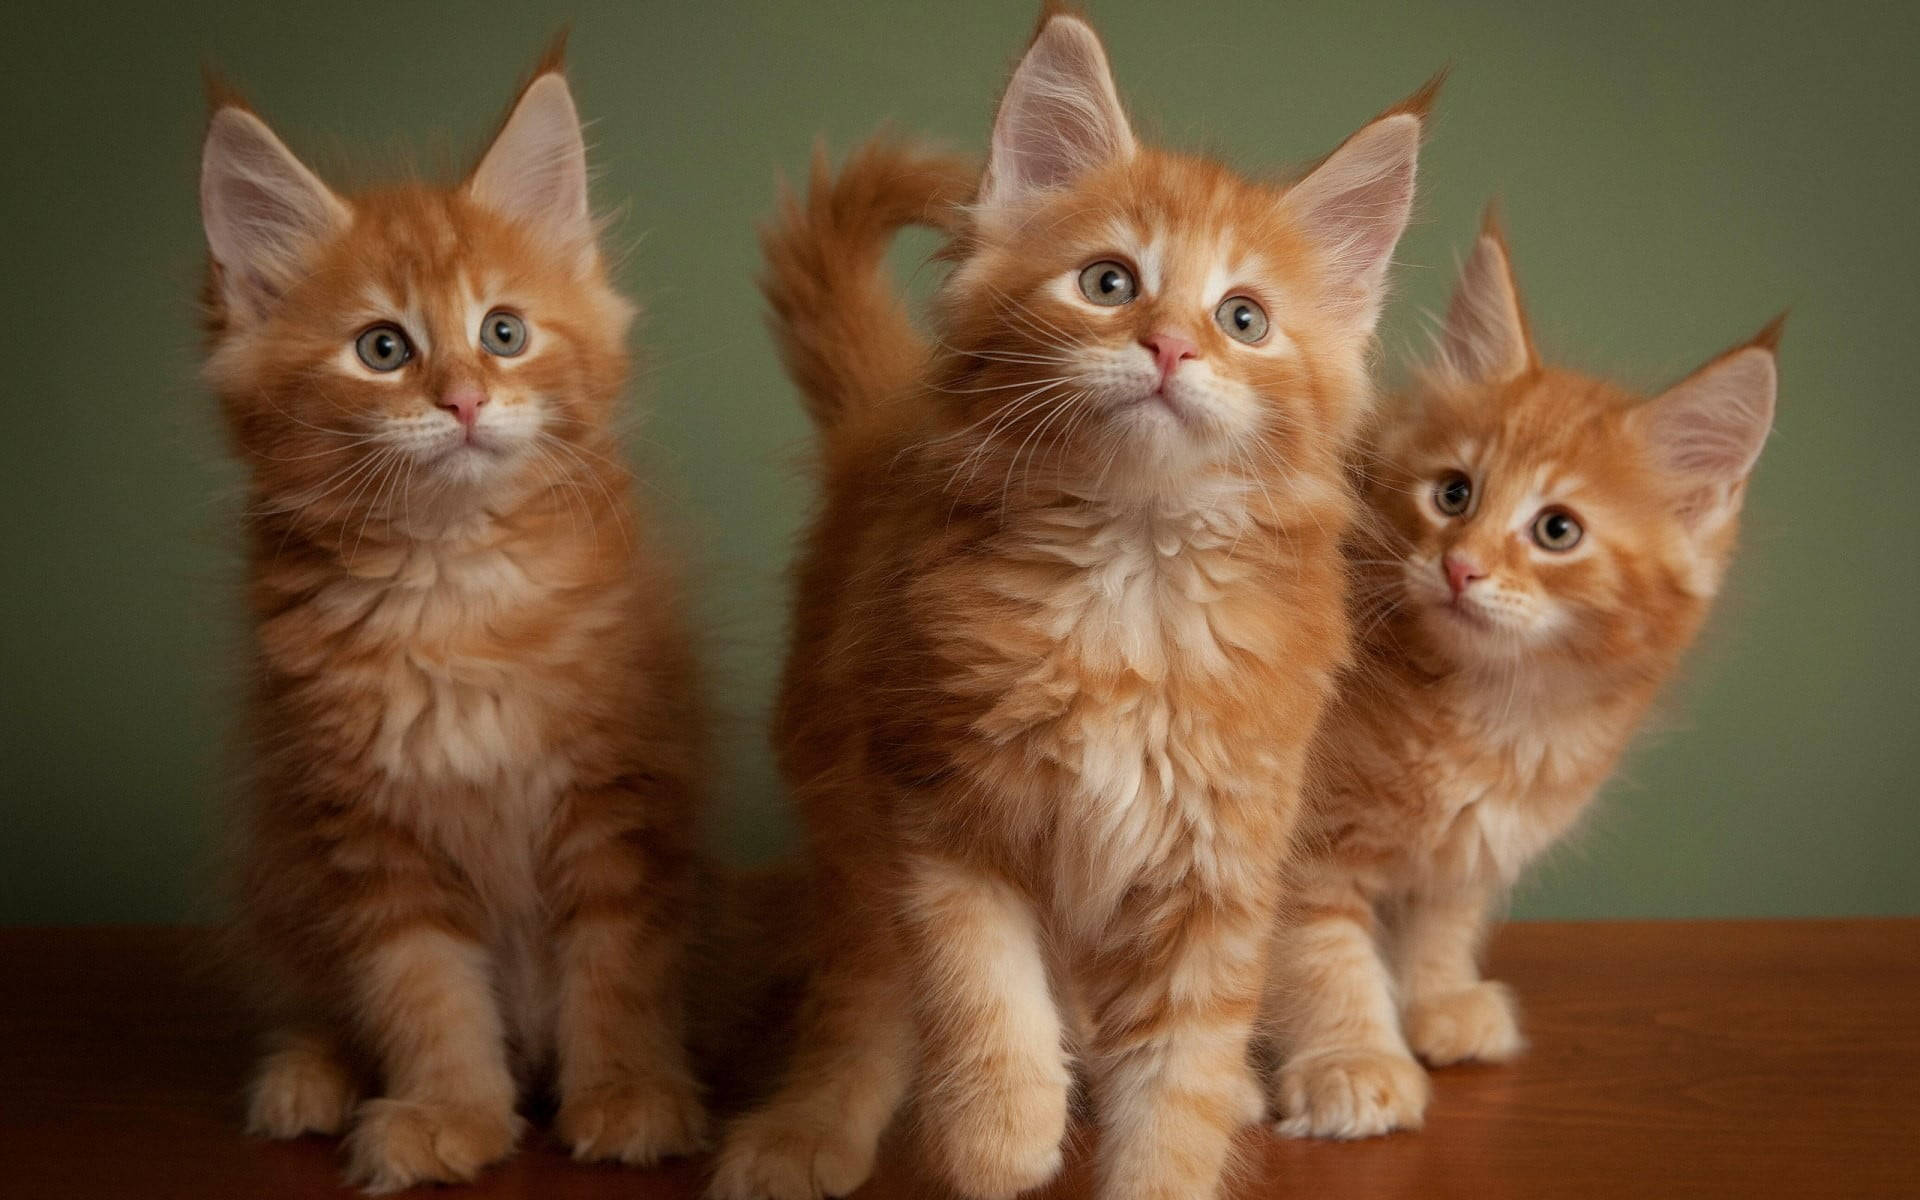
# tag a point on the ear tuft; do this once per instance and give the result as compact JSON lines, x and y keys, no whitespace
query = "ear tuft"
{"x":263,"y":211}
{"x":1770,"y":334}
{"x":535,"y":172}
{"x":1420,"y":104}
{"x":1060,"y":116}
{"x":1486,"y":339}
{"x":1354,"y":206}
{"x":221,"y":92}
{"x":553,"y":60}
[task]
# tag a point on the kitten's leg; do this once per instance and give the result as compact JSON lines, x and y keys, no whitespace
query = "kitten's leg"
{"x":1345,"y":1070}
{"x":851,"y":1061}
{"x":424,"y":1002}
{"x":1170,"y":1077}
{"x":1452,"y":1014}
{"x":621,"y":900}
{"x":995,"y":1079}
{"x":303,"y":1085}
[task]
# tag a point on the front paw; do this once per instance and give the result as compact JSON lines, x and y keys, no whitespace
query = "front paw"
{"x":398,"y":1143}
{"x":793,"y":1151}
{"x":1350,"y":1094}
{"x":1476,"y":1024}
{"x":300,"y":1088}
{"x":634,"y":1122}
{"x":994,"y":1139}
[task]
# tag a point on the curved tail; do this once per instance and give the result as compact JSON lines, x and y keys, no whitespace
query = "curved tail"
{"x":842,"y":328}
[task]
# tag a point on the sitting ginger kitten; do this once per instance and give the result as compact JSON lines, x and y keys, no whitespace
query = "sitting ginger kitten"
{"x":1065,"y":625}
{"x":468,"y":852}
{"x":1545,"y":546}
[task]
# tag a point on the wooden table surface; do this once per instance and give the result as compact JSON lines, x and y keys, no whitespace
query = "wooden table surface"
{"x":1737,"y":1059}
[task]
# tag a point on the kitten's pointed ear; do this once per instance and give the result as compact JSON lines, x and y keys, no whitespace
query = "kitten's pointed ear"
{"x":264,"y":212}
{"x":1355,"y":204}
{"x":535,"y":172}
{"x":1486,"y":339}
{"x":1060,"y":116}
{"x":1707,"y":430}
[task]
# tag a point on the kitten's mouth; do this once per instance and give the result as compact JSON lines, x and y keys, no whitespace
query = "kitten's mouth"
{"x":467,"y":447}
{"x":1160,"y":397}
{"x":1471,"y":617}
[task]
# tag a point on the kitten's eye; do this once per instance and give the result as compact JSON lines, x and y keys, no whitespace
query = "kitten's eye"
{"x":1555,"y":529}
{"x":1108,"y":284}
{"x":384,"y":348}
{"x":1453,"y":493}
{"x":1243,"y":320}
{"x":503,"y":333}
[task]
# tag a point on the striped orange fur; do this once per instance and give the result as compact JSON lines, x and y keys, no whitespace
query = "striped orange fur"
{"x":1063,"y":627}
{"x":1500,"y":677}
{"x":467,"y":845}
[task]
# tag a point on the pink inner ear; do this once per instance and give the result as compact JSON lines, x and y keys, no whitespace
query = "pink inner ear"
{"x":536,"y":169}
{"x":1711,"y":428}
{"x":1060,"y":116}
{"x":1485,"y":338}
{"x":1355,"y":206}
{"x":263,"y":211}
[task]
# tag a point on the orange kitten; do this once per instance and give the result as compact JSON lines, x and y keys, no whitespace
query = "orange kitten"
{"x":470,"y":833}
{"x":1064,"y":627}
{"x":1547,"y":546}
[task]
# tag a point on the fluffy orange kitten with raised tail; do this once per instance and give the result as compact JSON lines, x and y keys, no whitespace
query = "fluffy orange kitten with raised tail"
{"x":1064,"y":628}
{"x":468,"y":842}
{"x":1544,"y":547}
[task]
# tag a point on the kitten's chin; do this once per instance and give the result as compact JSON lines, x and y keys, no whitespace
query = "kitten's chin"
{"x":1465,"y":635}
{"x":1156,"y":447}
{"x":491,"y":473}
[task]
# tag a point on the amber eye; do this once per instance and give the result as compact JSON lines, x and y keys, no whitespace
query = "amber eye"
{"x":1556,"y":529}
{"x":383,"y":348}
{"x":503,"y":334}
{"x":1453,"y":493}
{"x":1243,"y":320}
{"x":1108,"y":284}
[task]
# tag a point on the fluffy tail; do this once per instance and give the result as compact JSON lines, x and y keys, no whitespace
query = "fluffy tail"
{"x":842,"y":329}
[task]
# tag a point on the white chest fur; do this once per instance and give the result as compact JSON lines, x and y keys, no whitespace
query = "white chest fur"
{"x":453,"y":712}
{"x":1137,"y":624}
{"x":1539,"y":753}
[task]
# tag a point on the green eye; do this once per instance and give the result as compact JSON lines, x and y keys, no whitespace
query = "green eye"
{"x":503,"y":334}
{"x":1453,"y":493}
{"x":1555,"y":529}
{"x":1108,"y":284}
{"x":383,"y":348}
{"x":1243,"y":320}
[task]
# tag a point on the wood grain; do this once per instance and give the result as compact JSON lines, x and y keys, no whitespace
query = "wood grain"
{"x":1669,"y":1059}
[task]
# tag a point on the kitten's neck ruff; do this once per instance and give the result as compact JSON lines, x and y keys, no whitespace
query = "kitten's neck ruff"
{"x":422,"y":516}
{"x":1213,"y":503}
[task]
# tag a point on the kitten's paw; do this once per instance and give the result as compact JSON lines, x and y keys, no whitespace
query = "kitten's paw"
{"x":398,"y":1143}
{"x":302,"y":1087}
{"x":1351,"y":1094}
{"x":792,"y":1152}
{"x":635,"y":1122}
{"x":994,"y":1142}
{"x":1479,"y":1024}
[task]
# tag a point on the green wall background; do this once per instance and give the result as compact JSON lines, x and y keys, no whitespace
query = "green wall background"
{"x":1673,"y":174}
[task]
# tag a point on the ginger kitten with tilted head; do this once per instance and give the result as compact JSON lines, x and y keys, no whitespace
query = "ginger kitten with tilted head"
{"x":468,"y":842}
{"x":1064,"y":626}
{"x":1544,"y":546}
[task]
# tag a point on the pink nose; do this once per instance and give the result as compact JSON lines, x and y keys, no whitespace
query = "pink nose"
{"x":464,"y":403}
{"x":1461,"y":571}
{"x":1168,"y":351}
